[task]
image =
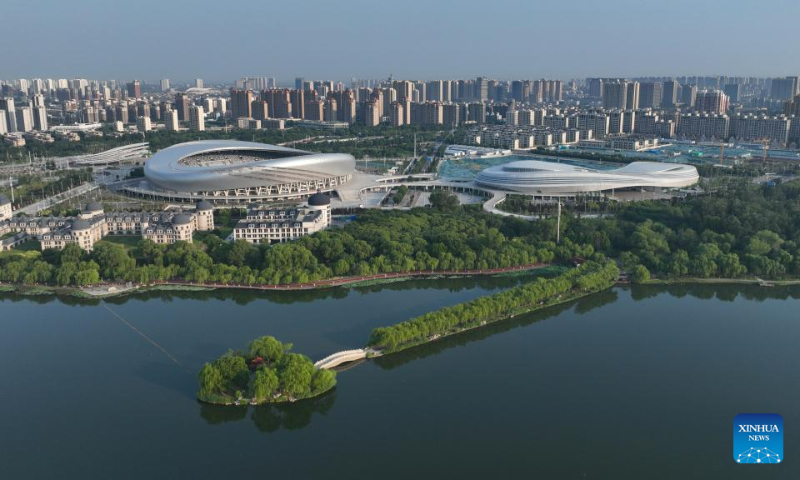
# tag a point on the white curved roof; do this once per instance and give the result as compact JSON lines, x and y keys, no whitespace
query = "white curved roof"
{"x":535,"y":176}
{"x":168,"y":169}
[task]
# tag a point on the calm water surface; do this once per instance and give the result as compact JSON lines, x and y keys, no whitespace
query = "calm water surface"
{"x":630,"y":383}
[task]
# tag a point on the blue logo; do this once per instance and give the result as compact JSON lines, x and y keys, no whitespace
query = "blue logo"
{"x":758,"y":438}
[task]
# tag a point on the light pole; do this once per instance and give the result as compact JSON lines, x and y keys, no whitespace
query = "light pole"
{"x":558,"y":224}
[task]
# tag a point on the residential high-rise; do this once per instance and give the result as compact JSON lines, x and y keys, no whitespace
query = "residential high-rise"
{"x":241,"y":101}
{"x":595,"y":87}
{"x":615,"y":95}
{"x":477,"y":112}
{"x":759,"y":127}
{"x":733,"y":91}
{"x":198,"y":83}
{"x":7,"y":104}
{"x":517,"y":90}
{"x":143,"y":124}
{"x":397,"y":115}
{"x":165,"y":84}
{"x":298,"y":83}
{"x":711,"y":101}
{"x":314,"y":110}
{"x":297,"y":99}
{"x":434,"y":90}
{"x":481,"y":89}
{"x":688,"y":95}
{"x":632,"y":100}
{"x":650,"y":95}
{"x":372,"y":117}
{"x":279,"y":101}
{"x":135,"y":89}
{"x":197,"y":117}
{"x":24,"y":119}
{"x":451,"y":115}
{"x":704,"y":126}
{"x":171,"y":121}
{"x":259,"y":110}
{"x":40,"y":118}
{"x":792,"y":107}
{"x":332,"y":110}
{"x":784,"y":88}
{"x":182,"y":105}
{"x":670,"y":94}
{"x":405,"y":90}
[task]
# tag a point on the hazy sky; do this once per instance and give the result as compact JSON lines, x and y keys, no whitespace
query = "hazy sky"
{"x":327,"y":39}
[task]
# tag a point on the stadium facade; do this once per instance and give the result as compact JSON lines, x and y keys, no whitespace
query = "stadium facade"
{"x":235,"y":171}
{"x":534,"y":177}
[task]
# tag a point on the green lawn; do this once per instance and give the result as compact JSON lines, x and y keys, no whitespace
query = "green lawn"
{"x":128,"y":241}
{"x":29,"y":249}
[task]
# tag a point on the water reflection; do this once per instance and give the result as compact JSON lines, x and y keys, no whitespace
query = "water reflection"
{"x":271,"y":418}
{"x":245,"y":297}
{"x":725,"y":293}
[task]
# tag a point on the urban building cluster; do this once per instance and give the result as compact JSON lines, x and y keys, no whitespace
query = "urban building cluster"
{"x":539,"y":112}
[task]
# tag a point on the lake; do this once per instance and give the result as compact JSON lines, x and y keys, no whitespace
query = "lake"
{"x":640,"y":382}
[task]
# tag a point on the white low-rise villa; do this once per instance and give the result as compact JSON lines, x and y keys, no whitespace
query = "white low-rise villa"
{"x":272,"y":225}
{"x":93,"y":224}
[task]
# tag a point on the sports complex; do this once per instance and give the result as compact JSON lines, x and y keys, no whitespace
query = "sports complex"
{"x":238,"y":171}
{"x":536,"y":177}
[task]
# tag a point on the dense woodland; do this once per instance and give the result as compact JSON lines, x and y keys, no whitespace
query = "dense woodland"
{"x":745,"y":231}
{"x":266,"y":373}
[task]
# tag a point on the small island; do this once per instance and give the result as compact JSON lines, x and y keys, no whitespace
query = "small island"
{"x":267,"y":373}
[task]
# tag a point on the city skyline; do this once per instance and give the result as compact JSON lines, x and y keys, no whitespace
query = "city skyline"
{"x":512,"y":39}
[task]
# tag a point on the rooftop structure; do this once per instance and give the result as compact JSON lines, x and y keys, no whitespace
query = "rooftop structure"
{"x":230,"y":170}
{"x":536,"y":177}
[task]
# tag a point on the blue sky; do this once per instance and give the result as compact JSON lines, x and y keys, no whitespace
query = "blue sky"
{"x":425,"y":39}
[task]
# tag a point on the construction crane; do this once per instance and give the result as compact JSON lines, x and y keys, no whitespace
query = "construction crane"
{"x":765,"y":142}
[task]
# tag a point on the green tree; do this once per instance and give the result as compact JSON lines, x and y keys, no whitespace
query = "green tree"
{"x":640,"y":274}
{"x":113,"y":260}
{"x":234,"y":371}
{"x":211,"y":381}
{"x":322,"y":381}
{"x":444,"y":200}
{"x":268,"y":348}
{"x":264,"y":384}
{"x":295,"y":373}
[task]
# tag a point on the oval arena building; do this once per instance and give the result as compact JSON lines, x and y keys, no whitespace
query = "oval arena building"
{"x":535,"y":177}
{"x":236,"y":171}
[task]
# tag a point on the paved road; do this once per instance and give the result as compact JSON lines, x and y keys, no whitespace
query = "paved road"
{"x":33,"y":208}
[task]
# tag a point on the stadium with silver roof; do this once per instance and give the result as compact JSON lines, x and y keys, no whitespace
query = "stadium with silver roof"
{"x":236,"y":171}
{"x":534,"y":177}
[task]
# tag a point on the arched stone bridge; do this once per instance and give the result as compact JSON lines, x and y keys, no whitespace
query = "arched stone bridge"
{"x":338,"y":358}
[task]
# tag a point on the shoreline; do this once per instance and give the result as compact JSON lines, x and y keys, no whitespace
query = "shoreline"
{"x":119,"y":289}
{"x":719,"y":281}
{"x":245,"y":403}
